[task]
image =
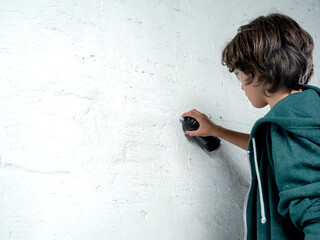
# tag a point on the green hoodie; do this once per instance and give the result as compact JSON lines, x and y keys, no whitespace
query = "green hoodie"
{"x":286,"y":146}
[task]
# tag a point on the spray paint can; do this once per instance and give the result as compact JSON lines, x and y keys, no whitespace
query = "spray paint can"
{"x":210,"y":143}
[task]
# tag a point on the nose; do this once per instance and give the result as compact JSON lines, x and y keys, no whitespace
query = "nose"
{"x":242,"y":87}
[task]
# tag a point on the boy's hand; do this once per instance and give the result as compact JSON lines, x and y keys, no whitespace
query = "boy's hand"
{"x":207,"y":127}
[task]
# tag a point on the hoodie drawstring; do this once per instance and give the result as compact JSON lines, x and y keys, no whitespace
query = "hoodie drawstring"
{"x":263,"y":215}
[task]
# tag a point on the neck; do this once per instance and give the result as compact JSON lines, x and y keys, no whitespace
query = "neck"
{"x":279,"y":95}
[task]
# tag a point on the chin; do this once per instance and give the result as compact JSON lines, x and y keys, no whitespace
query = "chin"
{"x":260,"y":105}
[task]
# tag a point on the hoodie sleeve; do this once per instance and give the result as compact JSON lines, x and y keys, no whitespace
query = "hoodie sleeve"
{"x":297,"y":171}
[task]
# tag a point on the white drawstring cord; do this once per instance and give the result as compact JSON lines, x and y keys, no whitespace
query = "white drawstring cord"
{"x":263,"y":215}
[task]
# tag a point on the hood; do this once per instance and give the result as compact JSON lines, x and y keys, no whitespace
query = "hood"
{"x":296,"y":114}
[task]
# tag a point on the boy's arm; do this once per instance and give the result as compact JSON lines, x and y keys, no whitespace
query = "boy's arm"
{"x":237,"y":138}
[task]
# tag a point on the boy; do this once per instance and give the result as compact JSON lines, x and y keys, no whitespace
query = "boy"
{"x":272,"y":56}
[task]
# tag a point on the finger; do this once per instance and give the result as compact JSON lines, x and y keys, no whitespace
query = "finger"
{"x":191,"y":113}
{"x":186,"y":114}
{"x":191,"y":133}
{"x":196,"y":111}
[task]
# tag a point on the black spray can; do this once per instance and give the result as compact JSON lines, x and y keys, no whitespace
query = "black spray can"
{"x":210,"y":143}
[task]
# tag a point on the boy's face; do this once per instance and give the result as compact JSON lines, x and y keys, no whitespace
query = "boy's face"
{"x":253,"y":90}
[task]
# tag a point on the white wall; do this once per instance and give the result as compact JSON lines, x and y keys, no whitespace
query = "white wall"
{"x":91,"y":93}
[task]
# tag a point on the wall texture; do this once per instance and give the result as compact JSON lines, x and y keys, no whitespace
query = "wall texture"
{"x":91,"y":93}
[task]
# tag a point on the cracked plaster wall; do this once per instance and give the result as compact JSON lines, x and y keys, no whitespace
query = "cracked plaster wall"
{"x":91,"y":92}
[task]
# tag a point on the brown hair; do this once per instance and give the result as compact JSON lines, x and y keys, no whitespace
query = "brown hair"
{"x":275,"y":49}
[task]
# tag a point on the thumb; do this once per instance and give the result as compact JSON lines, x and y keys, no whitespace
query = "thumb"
{"x":190,"y":133}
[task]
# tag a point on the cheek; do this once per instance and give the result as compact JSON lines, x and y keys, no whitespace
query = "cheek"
{"x":253,"y":97}
{"x":246,"y":90}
